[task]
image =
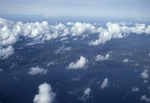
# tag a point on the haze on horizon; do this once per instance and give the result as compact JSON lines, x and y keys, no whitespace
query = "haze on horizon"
{"x":89,"y":8}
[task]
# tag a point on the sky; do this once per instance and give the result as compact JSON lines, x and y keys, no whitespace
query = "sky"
{"x":91,"y":8}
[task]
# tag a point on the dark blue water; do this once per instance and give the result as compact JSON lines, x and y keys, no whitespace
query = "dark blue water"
{"x":17,"y":86}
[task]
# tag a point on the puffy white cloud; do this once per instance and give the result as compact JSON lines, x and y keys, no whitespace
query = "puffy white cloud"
{"x":104,"y":83}
{"x":79,"y":64}
{"x":102,"y":58}
{"x":126,"y":60}
{"x":37,"y":70}
{"x":115,"y":30}
{"x":145,"y":74}
{"x":6,"y":52}
{"x":82,"y":28}
{"x":135,"y":89}
{"x":144,"y":98}
{"x":62,"y":49}
{"x":86,"y":94}
{"x":45,"y":95}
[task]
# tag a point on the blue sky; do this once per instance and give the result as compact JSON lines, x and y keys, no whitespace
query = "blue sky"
{"x":93,"y":8}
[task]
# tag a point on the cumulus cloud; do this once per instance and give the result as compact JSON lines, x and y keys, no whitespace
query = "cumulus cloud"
{"x":102,"y":58}
{"x":79,"y":64}
{"x":10,"y":32}
{"x":86,"y":94}
{"x":115,"y":30}
{"x":45,"y":95}
{"x":37,"y":70}
{"x":104,"y":83}
{"x":62,"y":49}
{"x":82,"y":28}
{"x":135,"y":89}
{"x":6,"y":52}
{"x":126,"y":60}
{"x":145,"y":74}
{"x":144,"y":98}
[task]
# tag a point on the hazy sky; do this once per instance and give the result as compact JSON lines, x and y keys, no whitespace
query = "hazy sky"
{"x":104,"y":8}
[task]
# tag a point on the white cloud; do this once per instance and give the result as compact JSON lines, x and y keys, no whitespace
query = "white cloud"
{"x":37,"y":70}
{"x":6,"y":52}
{"x":144,"y":98}
{"x":62,"y":39}
{"x":62,"y":49}
{"x":79,"y":64}
{"x":135,"y":89}
{"x":126,"y":60}
{"x":10,"y":32}
{"x":145,"y":74}
{"x":51,"y":63}
{"x":82,"y":28}
{"x":86,"y":94}
{"x":104,"y":83}
{"x":45,"y":95}
{"x":102,"y":58}
{"x":115,"y":30}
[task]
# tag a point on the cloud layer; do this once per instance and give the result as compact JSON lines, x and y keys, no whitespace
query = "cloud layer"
{"x":79,"y":64}
{"x":45,"y":95}
{"x":10,"y":32}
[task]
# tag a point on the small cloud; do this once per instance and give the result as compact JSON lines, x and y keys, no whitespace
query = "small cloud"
{"x":1,"y":70}
{"x":79,"y":64}
{"x":126,"y":60}
{"x":45,"y":95}
{"x":86,"y":95}
{"x":75,"y":39}
{"x":104,"y":83}
{"x":62,"y":39}
{"x":37,"y":70}
{"x":144,"y":98}
{"x":6,"y":52}
{"x":135,"y":89}
{"x":145,"y":74}
{"x":51,"y":63}
{"x":102,"y":58}
{"x":146,"y":81}
{"x":62,"y":49}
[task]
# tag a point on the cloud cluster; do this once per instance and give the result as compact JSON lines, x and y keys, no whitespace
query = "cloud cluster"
{"x":144,"y":98}
{"x":82,"y":28}
{"x":37,"y":70}
{"x":102,"y":58}
{"x":10,"y":32}
{"x":104,"y":83}
{"x":135,"y":89}
{"x":115,"y":30}
{"x":86,"y":94}
{"x":79,"y":64}
{"x":45,"y":95}
{"x":145,"y":74}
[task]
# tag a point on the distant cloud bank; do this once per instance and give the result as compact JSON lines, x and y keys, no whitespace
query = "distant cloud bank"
{"x":10,"y":33}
